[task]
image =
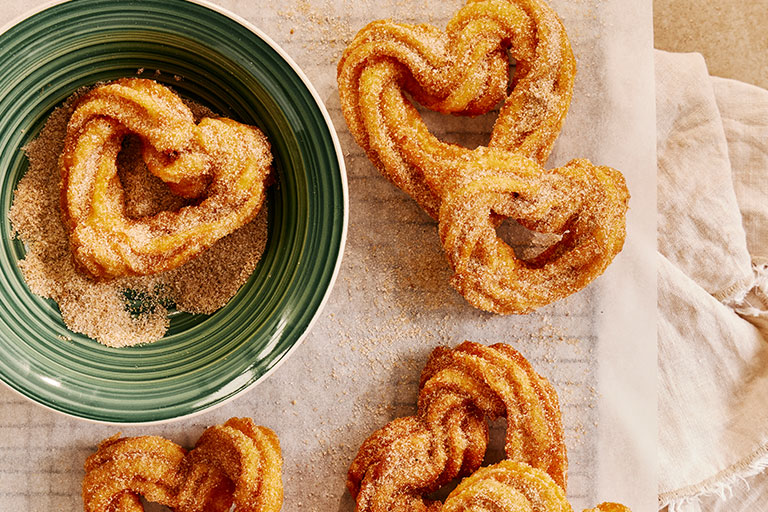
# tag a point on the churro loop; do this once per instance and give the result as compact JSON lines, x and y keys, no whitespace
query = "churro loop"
{"x":460,"y":391}
{"x":570,"y":200}
{"x":124,"y":468}
{"x":464,"y":70}
{"x":221,"y":163}
{"x":235,"y":463}
{"x":609,"y":507}
{"x":510,"y":486}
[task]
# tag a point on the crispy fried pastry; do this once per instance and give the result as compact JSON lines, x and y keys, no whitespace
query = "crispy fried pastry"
{"x":464,"y":70}
{"x":235,"y":463}
{"x":460,"y":391}
{"x":221,"y":163}
{"x":124,"y":468}
{"x":609,"y":507}
{"x":510,"y":486}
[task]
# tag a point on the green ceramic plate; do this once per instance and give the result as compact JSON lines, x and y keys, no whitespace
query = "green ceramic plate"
{"x":233,"y":68}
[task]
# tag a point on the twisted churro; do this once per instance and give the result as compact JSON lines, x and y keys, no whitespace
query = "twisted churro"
{"x":235,"y":463}
{"x":124,"y":468}
{"x":510,"y":486}
{"x":464,"y":70}
{"x":221,"y":162}
{"x":460,"y":391}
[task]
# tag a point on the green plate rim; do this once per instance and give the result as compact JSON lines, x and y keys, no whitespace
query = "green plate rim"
{"x":331,"y":132}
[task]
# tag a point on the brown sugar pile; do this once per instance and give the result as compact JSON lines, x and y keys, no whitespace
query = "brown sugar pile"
{"x":129,"y":310}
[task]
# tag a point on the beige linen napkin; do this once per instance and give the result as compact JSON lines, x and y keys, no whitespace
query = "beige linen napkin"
{"x":712,"y":142}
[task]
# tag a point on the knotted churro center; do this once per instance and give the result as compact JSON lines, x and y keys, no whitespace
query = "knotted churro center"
{"x":220,"y":163}
{"x":236,"y":463}
{"x":464,"y":70}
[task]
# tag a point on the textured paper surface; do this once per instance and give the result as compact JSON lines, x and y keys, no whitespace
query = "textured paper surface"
{"x":392,"y":304}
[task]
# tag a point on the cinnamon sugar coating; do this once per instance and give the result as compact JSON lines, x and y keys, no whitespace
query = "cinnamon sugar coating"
{"x":220,"y":161}
{"x":511,"y":487}
{"x":508,"y":487}
{"x":461,"y":389}
{"x":235,"y":463}
{"x":464,"y":71}
{"x":609,"y":507}
{"x":128,"y":310}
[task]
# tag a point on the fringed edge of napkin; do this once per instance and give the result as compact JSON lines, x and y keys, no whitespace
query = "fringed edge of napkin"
{"x":720,"y":485}
{"x":741,"y":295}
{"x":749,"y":299}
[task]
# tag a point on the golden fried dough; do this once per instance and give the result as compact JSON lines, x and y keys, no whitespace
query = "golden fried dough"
{"x":221,"y":162}
{"x":464,"y":70}
{"x":235,"y":463}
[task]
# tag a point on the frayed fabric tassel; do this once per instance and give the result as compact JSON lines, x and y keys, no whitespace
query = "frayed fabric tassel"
{"x":720,"y":485}
{"x":751,"y":302}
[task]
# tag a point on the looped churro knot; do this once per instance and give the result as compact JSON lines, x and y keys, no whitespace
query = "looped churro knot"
{"x":569,"y":200}
{"x":464,"y":70}
{"x":219,"y":162}
{"x":460,"y":391}
{"x":510,"y":486}
{"x":235,"y":463}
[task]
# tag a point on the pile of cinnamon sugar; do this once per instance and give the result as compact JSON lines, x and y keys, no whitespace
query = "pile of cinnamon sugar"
{"x":130,"y":310}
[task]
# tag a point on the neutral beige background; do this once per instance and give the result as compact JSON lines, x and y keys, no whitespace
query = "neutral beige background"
{"x":731,"y":34}
{"x":732,"y":37}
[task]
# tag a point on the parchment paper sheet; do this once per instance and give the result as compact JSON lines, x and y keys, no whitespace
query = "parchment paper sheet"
{"x":392,"y":304}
